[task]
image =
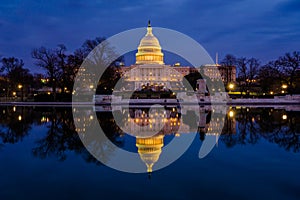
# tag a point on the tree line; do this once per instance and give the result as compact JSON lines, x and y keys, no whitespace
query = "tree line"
{"x":61,"y":67}
{"x":274,"y":74}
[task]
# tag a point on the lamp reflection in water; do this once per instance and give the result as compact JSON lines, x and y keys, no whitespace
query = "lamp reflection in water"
{"x":217,"y":126}
{"x":284,"y":116}
{"x":231,"y":113}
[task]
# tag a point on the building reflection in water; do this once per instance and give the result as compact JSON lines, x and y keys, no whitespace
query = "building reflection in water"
{"x":149,"y":127}
{"x":242,"y":126}
{"x":150,"y":149}
{"x":142,"y":122}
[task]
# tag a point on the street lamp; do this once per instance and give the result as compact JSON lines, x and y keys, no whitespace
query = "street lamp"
{"x":21,"y":88}
{"x":284,"y":87}
{"x":230,"y":86}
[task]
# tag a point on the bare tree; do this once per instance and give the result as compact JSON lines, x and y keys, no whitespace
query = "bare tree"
{"x":288,"y":65}
{"x":9,"y":64}
{"x":50,"y":60}
{"x":62,"y":61}
{"x":14,"y":73}
{"x":100,"y":57}
{"x":229,"y":60}
{"x":269,"y":75}
{"x":247,"y":73}
{"x":72,"y":66}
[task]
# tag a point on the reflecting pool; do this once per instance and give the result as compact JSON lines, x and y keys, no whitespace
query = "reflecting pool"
{"x":256,"y":154}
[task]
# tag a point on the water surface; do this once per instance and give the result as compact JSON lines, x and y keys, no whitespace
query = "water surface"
{"x":257,"y":156}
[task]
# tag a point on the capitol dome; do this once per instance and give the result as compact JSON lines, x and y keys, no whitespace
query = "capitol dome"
{"x":149,"y":49}
{"x":149,"y":150}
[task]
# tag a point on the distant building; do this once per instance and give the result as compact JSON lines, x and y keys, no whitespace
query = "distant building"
{"x":227,"y":73}
{"x":184,"y":70}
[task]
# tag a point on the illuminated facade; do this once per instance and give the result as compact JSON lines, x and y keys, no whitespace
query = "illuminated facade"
{"x":150,"y":70}
{"x":227,"y":73}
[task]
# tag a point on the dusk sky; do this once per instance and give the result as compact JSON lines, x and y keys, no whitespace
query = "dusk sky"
{"x":264,"y":29}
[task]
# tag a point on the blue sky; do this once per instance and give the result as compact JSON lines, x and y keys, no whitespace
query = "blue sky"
{"x":264,"y":29}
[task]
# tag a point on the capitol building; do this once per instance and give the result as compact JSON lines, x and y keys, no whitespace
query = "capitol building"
{"x":150,"y":71}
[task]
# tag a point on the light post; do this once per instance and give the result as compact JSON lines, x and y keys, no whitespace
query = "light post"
{"x":284,"y":87}
{"x":230,"y":87}
{"x":21,"y":88}
{"x":4,"y":93}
